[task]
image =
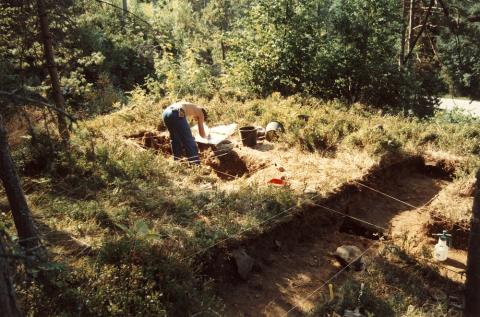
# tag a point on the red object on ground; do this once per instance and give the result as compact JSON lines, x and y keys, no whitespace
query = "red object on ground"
{"x":277,"y":181}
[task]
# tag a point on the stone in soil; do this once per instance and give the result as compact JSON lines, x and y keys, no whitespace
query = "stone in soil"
{"x":244,"y":262}
{"x":348,"y":253}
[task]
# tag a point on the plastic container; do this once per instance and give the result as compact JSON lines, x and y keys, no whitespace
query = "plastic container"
{"x":272,"y":130}
{"x":440,"y":252}
{"x":248,"y":135}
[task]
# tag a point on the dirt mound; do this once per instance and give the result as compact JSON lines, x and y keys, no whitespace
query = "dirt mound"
{"x":160,"y":142}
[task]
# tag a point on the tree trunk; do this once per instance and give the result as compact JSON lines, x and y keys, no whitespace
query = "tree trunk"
{"x":475,"y":18}
{"x":124,"y":14}
{"x":8,"y":302}
{"x":20,"y":211}
{"x":222,"y":45}
{"x":46,"y":38}
{"x":404,"y":28}
{"x":472,"y":285}
{"x":411,"y":20}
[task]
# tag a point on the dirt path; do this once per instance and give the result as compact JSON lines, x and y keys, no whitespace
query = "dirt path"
{"x":288,"y":275}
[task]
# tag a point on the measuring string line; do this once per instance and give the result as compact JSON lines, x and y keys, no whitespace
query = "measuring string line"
{"x":385,"y":229}
{"x":349,"y":264}
{"x":351,"y":217}
{"x":404,"y":202}
{"x":386,"y":195}
{"x":361,"y":220}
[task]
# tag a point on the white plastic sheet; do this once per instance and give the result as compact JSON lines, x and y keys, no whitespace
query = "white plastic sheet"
{"x":215,"y":134}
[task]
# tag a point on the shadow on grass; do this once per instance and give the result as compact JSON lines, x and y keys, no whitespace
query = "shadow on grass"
{"x":393,"y":281}
{"x":59,"y":238}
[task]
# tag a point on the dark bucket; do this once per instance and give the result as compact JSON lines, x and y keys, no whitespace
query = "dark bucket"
{"x":249,"y":136}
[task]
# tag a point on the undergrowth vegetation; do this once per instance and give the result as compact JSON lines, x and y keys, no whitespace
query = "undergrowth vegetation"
{"x":133,"y":229}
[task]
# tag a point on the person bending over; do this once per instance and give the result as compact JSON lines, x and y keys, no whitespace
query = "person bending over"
{"x":175,"y":118}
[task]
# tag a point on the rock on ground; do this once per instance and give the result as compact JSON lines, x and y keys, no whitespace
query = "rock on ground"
{"x":348,"y":253}
{"x":244,"y":262}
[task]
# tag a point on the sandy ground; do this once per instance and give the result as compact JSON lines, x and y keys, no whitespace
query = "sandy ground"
{"x":290,"y":275}
{"x":303,"y":172}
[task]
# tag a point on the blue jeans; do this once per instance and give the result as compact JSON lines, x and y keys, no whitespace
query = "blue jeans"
{"x":180,"y":135}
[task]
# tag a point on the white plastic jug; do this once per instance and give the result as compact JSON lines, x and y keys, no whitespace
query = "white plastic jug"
{"x":440,"y":252}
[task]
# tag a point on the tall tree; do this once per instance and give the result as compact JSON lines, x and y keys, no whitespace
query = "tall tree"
{"x":472,"y":285}
{"x":49,"y":55}
{"x":18,"y":204}
{"x":404,"y":28}
{"x":8,"y":302}
{"x":414,"y":39}
{"x":411,"y":21}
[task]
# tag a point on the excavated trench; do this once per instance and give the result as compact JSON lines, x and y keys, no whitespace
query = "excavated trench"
{"x":229,"y":166}
{"x":295,"y":256}
{"x":226,"y":165}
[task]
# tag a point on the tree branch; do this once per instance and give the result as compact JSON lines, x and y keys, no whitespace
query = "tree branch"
{"x":475,"y":18}
{"x":446,"y":12}
{"x":126,"y":11}
{"x":424,"y":25}
{"x":37,"y":102}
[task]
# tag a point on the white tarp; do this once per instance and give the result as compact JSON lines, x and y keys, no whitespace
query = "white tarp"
{"x":215,"y":134}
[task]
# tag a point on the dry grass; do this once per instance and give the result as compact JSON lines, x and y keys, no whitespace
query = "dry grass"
{"x":111,"y":181}
{"x":455,"y":201}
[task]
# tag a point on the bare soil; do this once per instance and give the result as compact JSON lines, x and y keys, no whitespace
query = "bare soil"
{"x":290,"y":269}
{"x":157,"y":141}
{"x":231,"y":165}
{"x":459,"y":229}
{"x":295,"y":258}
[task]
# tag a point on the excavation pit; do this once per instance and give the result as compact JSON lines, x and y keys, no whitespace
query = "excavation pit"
{"x":295,"y":256}
{"x":227,"y":165}
{"x":458,"y":229}
{"x":156,"y":141}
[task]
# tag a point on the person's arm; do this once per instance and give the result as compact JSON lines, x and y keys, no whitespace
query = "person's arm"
{"x":201,"y":126}
{"x":200,"y":119}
